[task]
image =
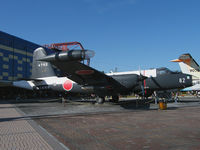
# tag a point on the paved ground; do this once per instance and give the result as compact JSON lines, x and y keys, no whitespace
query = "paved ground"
{"x":123,"y":126}
{"x":175,"y":129}
{"x":18,"y":132}
{"x":89,"y":126}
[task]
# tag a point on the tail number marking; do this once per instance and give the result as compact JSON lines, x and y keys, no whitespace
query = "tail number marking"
{"x":43,"y":64}
{"x":181,"y":80}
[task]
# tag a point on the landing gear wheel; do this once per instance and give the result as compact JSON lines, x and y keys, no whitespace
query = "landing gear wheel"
{"x":100,"y":100}
{"x":115,"y":98}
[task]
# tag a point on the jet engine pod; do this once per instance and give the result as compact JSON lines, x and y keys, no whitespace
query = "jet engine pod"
{"x":72,"y":55}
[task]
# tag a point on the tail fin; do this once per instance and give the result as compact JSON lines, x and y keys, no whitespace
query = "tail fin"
{"x":41,"y":69}
{"x":188,"y":65}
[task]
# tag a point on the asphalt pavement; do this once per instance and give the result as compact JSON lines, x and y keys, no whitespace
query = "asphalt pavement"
{"x":84,"y":125}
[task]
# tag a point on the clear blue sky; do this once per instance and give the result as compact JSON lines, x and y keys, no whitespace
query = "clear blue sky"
{"x":124,"y":33}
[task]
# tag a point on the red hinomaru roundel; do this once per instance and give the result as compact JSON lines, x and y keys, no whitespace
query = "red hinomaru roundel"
{"x":67,"y":85}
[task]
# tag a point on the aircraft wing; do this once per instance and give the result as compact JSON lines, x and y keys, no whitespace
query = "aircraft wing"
{"x":86,"y":75}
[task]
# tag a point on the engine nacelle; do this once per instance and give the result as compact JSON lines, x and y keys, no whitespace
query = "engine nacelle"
{"x":72,"y":55}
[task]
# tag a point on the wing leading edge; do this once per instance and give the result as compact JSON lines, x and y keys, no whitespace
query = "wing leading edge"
{"x":85,"y":75}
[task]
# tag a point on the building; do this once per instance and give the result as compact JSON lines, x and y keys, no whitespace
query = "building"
{"x":15,"y":57}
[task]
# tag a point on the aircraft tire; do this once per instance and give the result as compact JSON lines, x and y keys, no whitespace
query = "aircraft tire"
{"x":115,"y":98}
{"x":100,"y":100}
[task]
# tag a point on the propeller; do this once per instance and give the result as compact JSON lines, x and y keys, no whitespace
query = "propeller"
{"x":142,"y":79}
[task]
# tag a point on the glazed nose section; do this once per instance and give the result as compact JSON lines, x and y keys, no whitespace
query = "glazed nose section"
{"x":185,"y":80}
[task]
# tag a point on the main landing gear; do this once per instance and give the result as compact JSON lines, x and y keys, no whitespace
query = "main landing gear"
{"x":100,"y":100}
{"x":115,"y":98}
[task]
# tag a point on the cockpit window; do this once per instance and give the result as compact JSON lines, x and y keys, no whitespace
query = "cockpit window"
{"x":161,"y":71}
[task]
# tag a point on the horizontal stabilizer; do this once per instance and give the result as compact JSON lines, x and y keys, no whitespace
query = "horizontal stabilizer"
{"x":30,"y":79}
{"x":177,"y":60}
{"x":186,"y":58}
{"x":5,"y":83}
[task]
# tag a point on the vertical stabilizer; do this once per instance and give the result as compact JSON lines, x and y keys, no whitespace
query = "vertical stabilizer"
{"x":41,"y":69}
{"x":188,"y":65}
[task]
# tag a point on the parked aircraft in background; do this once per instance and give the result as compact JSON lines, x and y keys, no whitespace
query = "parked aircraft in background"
{"x":161,"y":80}
{"x":80,"y":78}
{"x":189,"y":66}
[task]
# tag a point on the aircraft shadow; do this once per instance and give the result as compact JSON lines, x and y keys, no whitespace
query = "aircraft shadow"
{"x":134,"y":105}
{"x":131,"y":105}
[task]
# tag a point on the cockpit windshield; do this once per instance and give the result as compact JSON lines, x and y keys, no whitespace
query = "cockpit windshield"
{"x":163,"y":70}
